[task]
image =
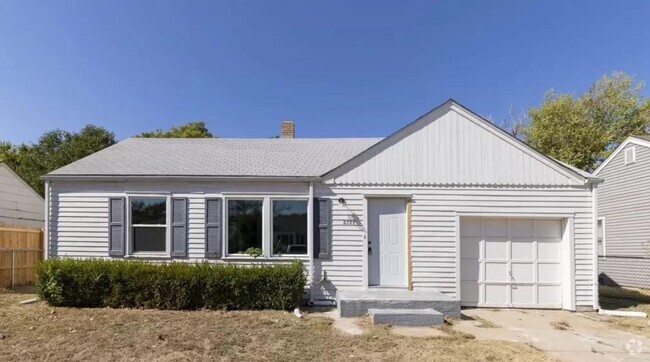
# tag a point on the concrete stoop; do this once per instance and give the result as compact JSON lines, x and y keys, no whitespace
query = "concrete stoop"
{"x":406,"y":317}
{"x":398,"y":307}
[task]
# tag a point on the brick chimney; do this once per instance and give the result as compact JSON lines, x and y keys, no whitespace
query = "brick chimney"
{"x":287,"y":129}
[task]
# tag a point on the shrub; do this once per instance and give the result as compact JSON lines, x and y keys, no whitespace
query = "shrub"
{"x":138,"y":284}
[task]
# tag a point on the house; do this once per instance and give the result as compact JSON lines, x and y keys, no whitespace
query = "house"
{"x":20,"y":205}
{"x":448,"y":206}
{"x":624,"y":215}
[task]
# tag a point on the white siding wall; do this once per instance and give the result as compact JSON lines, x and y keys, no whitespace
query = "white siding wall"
{"x":79,"y":210}
{"x":19,"y":204}
{"x":451,"y":147}
{"x":434,"y":231}
{"x":624,"y":200}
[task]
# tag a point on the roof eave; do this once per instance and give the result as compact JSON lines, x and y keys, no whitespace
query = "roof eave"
{"x":51,"y":177}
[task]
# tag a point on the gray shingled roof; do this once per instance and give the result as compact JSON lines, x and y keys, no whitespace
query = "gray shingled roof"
{"x":228,"y":157}
{"x":645,"y":138}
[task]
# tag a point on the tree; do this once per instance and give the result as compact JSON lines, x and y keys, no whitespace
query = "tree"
{"x":53,"y":150}
{"x":189,"y":130}
{"x":583,"y":131}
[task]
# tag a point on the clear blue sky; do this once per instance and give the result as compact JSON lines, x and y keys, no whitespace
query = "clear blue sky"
{"x":338,"y":68}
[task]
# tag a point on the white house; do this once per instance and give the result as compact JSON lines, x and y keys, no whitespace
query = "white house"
{"x":624,"y":214}
{"x":448,"y":204}
{"x":20,"y":205}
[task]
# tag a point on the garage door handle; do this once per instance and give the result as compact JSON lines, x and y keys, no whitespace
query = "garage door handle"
{"x":511,"y":276}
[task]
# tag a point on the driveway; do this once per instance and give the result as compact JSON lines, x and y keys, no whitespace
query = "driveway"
{"x":563,"y":335}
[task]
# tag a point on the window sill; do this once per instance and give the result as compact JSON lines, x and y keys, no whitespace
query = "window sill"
{"x":148,"y":256}
{"x":235,"y":257}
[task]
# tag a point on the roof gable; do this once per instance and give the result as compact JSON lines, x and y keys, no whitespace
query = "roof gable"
{"x":643,"y":141}
{"x":451,"y":145}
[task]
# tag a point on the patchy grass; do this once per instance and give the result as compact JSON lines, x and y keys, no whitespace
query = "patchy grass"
{"x":616,"y":298}
{"x":38,"y":332}
{"x":560,"y":325}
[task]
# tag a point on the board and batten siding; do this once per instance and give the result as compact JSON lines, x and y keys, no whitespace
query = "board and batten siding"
{"x":78,"y":224}
{"x":20,"y":205}
{"x":624,"y":202}
{"x":433,"y":224}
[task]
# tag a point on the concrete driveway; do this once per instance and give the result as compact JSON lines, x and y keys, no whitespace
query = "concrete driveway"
{"x":563,"y":335}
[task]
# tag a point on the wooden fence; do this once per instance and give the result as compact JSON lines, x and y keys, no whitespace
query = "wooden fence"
{"x":20,"y":250}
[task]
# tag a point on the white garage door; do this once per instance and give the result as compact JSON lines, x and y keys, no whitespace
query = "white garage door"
{"x":511,"y":262}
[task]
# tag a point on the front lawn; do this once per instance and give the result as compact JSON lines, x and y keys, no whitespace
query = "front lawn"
{"x":616,"y":298}
{"x":38,"y":332}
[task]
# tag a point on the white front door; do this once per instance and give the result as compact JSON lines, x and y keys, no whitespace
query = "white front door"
{"x":387,"y":242}
{"x":511,"y":262}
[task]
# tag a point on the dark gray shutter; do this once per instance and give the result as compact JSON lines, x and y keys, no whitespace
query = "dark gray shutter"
{"x":116,"y":226}
{"x":179,"y":227}
{"x":213,"y":230}
{"x":322,"y":229}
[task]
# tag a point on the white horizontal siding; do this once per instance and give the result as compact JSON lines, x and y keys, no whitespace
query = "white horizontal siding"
{"x":451,"y":147}
{"x":624,"y":201}
{"x":433,"y":225}
{"x":19,"y":204}
{"x":79,"y":211}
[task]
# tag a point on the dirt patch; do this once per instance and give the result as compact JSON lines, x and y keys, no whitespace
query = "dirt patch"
{"x":37,"y":332}
{"x":560,"y":325}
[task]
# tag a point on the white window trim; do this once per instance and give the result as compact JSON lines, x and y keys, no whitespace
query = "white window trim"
{"x":292,"y":256}
{"x":267,"y":228}
{"x":129,"y":235}
{"x":632,"y":151}
{"x":604,"y":227}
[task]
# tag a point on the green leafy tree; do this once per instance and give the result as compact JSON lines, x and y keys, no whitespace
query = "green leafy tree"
{"x":189,"y":130}
{"x":583,"y":131}
{"x":53,"y":150}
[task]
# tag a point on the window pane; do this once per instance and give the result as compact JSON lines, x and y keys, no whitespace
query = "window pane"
{"x":149,"y":211}
{"x":149,"y":239}
{"x":244,"y":225}
{"x":289,"y":227}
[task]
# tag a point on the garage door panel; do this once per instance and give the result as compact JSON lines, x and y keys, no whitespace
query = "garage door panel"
{"x":520,"y":228}
{"x":495,"y":228}
{"x":549,"y":272}
{"x":496,"y":272}
{"x":470,"y":246}
{"x":549,"y":250}
{"x":496,"y":249}
{"x":523,"y":272}
{"x":549,"y":295}
{"x":496,"y":294}
{"x":523,"y":295}
{"x":522,"y":249}
{"x":548,"y":228}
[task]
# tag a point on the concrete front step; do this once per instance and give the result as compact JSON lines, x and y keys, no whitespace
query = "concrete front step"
{"x":406,"y":317}
{"x":356,"y":303}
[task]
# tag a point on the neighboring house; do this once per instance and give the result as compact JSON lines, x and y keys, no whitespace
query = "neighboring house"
{"x":624,"y":214}
{"x":20,"y":205}
{"x":449,"y":203}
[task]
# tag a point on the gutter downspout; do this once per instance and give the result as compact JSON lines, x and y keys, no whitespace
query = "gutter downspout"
{"x":46,"y":232}
{"x":310,"y":240}
{"x":594,"y":195}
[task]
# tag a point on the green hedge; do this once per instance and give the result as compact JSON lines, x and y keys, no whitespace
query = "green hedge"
{"x":138,"y":284}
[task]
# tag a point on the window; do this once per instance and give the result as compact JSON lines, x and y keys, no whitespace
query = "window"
{"x":630,"y":155}
{"x":244,"y":225}
{"x":601,"y":237}
{"x":289,"y":227}
{"x":148,"y":224}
